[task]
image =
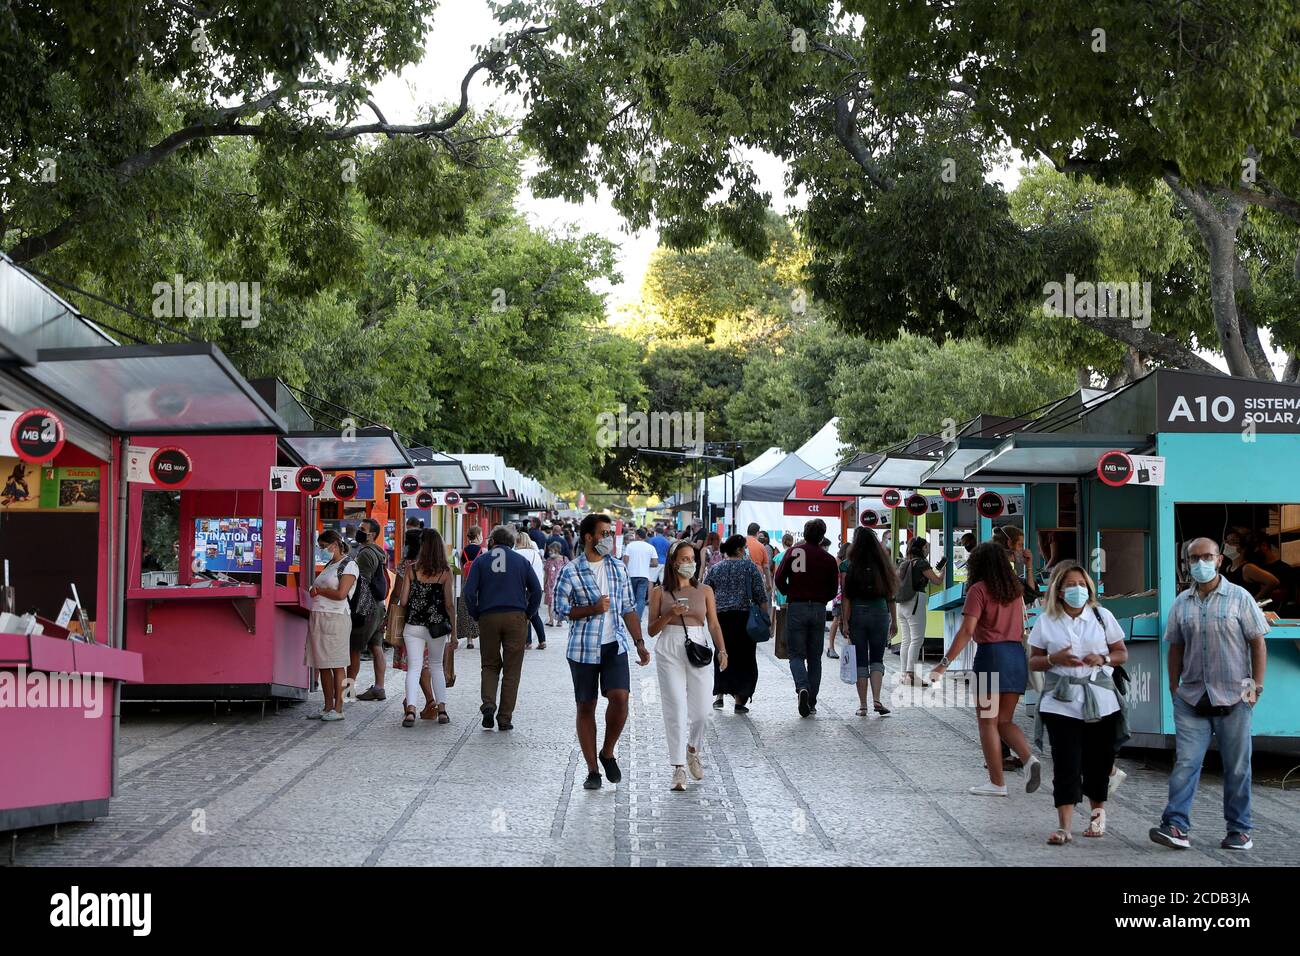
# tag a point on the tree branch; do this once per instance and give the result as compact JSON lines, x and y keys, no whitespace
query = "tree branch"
{"x":225,"y":123}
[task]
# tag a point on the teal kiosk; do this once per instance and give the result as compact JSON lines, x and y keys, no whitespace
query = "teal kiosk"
{"x":1124,"y":479}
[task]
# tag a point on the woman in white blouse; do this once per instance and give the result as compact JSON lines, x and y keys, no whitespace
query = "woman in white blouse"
{"x":1077,"y":643}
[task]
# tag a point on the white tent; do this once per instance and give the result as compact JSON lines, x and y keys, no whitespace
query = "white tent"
{"x":824,"y":450}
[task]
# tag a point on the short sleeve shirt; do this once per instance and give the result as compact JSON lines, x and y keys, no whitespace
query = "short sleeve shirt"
{"x":1215,"y":633}
{"x":994,"y":622}
{"x":1083,"y":635}
{"x":329,"y":578}
{"x":757,"y":552}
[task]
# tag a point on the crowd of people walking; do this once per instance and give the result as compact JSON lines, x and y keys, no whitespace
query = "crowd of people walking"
{"x":708,"y":602}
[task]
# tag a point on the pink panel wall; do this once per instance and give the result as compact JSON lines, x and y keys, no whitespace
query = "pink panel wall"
{"x":56,"y":755}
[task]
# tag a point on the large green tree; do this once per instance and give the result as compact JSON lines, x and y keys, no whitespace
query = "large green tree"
{"x":891,"y":122}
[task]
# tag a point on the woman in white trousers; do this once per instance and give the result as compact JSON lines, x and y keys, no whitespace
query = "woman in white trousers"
{"x":912,"y":611}
{"x":427,"y":596}
{"x":683,"y":610}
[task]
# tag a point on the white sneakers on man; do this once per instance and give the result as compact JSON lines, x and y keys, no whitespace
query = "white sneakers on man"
{"x":332,"y":715}
{"x":989,"y":790}
{"x":679,"y":779}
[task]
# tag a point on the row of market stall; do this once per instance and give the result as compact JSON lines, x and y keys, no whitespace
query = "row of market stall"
{"x":158,"y":520}
{"x":1120,"y":480}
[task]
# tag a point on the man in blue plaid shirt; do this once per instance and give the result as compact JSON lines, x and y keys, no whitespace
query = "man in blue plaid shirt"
{"x":595,"y":593}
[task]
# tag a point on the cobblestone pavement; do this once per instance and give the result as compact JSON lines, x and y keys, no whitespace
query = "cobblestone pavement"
{"x":835,"y":789}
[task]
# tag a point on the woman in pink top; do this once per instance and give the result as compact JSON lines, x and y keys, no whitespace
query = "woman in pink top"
{"x":994,"y":617}
{"x":555,"y":562}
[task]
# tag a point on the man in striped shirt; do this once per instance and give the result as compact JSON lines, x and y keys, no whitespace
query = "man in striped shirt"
{"x":1217,"y":659}
{"x":595,"y":593}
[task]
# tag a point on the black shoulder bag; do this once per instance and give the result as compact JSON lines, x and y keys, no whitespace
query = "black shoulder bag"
{"x":700,"y":655}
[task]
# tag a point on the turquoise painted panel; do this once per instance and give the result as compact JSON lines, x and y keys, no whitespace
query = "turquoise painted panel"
{"x":1224,"y":467}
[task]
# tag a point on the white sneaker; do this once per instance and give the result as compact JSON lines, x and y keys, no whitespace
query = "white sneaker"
{"x":989,"y":790}
{"x":1115,"y":782}
{"x":319,"y":715}
{"x":693,"y":762}
{"x":332,"y":715}
{"x":679,"y":779}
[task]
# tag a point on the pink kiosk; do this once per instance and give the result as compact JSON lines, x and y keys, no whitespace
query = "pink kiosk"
{"x":61,"y":520}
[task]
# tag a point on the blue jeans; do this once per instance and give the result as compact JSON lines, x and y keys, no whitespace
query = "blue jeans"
{"x":869,"y":633}
{"x":641,"y":594}
{"x":1192,"y":740}
{"x":805,"y":633}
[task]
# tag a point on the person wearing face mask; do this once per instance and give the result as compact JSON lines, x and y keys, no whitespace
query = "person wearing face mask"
{"x":1217,"y":659}
{"x":684,"y":612}
{"x":594,"y":591}
{"x":737,"y":585}
{"x":330,"y":625}
{"x":1077,"y":644}
{"x":1240,"y":570}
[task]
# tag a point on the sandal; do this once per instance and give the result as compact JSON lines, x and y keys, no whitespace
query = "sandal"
{"x":1097,"y":825}
{"x":862,"y":711}
{"x":1059,"y":838}
{"x":443,"y":718}
{"x":409,"y":719}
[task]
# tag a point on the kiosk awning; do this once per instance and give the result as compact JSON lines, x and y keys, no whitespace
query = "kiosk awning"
{"x":14,"y":351}
{"x":367,"y":448}
{"x":155,"y":389}
{"x":952,"y":467}
{"x":437,"y":471}
{"x":848,"y":479}
{"x":1036,"y":456}
{"x":897,"y":471}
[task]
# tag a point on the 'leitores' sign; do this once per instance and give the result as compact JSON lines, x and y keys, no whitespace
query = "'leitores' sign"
{"x":37,"y":435}
{"x":171,"y":467}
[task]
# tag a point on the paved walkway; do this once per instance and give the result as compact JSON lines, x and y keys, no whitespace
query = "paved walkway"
{"x":831,"y":790}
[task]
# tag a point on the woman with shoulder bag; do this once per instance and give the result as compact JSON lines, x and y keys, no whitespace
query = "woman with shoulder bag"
{"x":1077,"y":644}
{"x":329,"y":629}
{"x":737,"y":585}
{"x":870,"y":584}
{"x":427,"y":596}
{"x":914,"y":574}
{"x":683,"y":615}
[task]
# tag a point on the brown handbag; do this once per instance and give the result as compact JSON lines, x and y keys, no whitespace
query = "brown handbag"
{"x":395,"y":621}
{"x":449,"y":665}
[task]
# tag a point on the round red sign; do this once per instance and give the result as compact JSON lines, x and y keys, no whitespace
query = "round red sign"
{"x":952,"y":492}
{"x":892,"y":498}
{"x":917,"y":504}
{"x":989,"y":504}
{"x":171,"y":467}
{"x":37,"y":435}
{"x":471,"y":507}
{"x":409,"y":484}
{"x":1115,"y":468}
{"x":869,"y":518}
{"x":309,"y":479}
{"x":344,"y":487}
{"x":424,"y":499}
{"x":452,"y":498}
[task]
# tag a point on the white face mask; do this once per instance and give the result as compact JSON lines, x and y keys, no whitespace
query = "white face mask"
{"x":1230,"y":551}
{"x":686,"y":570}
